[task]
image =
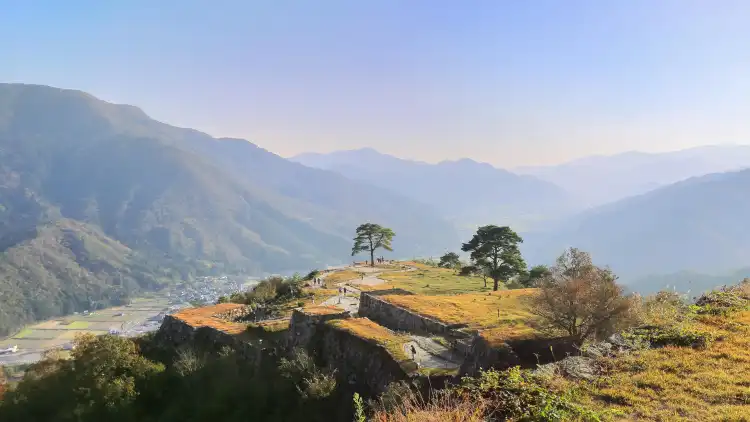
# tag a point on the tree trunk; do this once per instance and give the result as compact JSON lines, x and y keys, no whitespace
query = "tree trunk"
{"x":496,"y":280}
{"x":372,"y":257}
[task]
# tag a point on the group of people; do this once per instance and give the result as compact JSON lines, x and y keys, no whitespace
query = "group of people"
{"x":317,"y":281}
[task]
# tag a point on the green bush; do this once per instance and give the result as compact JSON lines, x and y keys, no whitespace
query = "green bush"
{"x":727,"y":300}
{"x":679,"y":335}
{"x":516,"y":394}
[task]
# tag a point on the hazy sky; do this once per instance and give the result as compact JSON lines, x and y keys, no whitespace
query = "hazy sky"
{"x":504,"y":81}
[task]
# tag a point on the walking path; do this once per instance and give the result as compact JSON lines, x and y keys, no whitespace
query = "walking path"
{"x":429,"y":353}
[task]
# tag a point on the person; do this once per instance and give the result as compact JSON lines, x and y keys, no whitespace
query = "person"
{"x":362,"y":276}
{"x":413,"y":352}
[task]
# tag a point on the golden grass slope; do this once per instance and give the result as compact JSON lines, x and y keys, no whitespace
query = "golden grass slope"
{"x":372,"y":332}
{"x":206,"y":317}
{"x":432,"y":281}
{"x":680,"y":383}
{"x":498,"y":316}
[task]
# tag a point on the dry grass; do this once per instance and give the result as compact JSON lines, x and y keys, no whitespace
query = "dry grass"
{"x":443,"y":408}
{"x":368,"y":330}
{"x":340,"y":277}
{"x":271,"y":326}
{"x":680,"y":383}
{"x":322,"y":310}
{"x":498,"y":316}
{"x":205,"y":317}
{"x":428,"y":280}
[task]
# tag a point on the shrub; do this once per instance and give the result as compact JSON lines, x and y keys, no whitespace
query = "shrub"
{"x":311,"y":381}
{"x":679,"y":335}
{"x":582,"y":300}
{"x":518,"y":395}
{"x":187,"y":362}
{"x":270,"y":290}
{"x":724,"y":301}
{"x":511,"y":395}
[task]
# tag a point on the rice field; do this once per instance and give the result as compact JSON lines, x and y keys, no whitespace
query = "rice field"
{"x":60,"y":331}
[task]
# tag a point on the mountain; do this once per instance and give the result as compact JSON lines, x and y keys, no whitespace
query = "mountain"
{"x":698,"y":225}
{"x":597,"y":180}
{"x":688,"y":282}
{"x":468,"y":192}
{"x":98,"y":200}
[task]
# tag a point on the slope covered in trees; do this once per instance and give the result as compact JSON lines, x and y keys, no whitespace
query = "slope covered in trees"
{"x":169,"y":198}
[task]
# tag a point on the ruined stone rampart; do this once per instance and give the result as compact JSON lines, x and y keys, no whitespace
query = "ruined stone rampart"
{"x":360,"y":363}
{"x":525,"y":353}
{"x":207,"y":329}
{"x":304,"y":326}
{"x":400,"y":319}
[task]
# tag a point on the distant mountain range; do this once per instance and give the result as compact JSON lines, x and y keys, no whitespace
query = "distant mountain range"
{"x":652,"y":217}
{"x":698,"y":225}
{"x":687,"y":282}
{"x":598,"y":180}
{"x":97,"y":201}
{"x":467,"y":192}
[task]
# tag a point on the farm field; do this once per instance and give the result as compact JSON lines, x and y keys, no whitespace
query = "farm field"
{"x":58,"y":332}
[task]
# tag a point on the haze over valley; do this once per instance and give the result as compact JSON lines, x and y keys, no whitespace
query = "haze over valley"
{"x":374,"y":211}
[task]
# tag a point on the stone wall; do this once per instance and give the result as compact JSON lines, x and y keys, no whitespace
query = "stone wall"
{"x":235,"y":314}
{"x":365,"y":366}
{"x":400,"y":319}
{"x":176,"y":333}
{"x":525,"y":353}
{"x":304,"y":326}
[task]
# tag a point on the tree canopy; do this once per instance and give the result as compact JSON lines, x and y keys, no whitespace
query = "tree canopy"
{"x":582,"y":300}
{"x":370,"y":237}
{"x":450,"y":260}
{"x":496,"y":250}
{"x":534,"y":275}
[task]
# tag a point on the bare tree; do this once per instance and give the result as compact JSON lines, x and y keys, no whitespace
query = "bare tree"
{"x":581,"y":299}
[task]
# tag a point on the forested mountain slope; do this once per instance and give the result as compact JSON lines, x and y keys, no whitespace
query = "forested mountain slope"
{"x":147,"y":195}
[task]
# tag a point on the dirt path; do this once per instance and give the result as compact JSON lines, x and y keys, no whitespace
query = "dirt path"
{"x":431,"y":354}
{"x":370,"y":279}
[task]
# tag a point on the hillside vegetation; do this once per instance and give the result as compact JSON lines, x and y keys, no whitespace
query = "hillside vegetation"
{"x":675,"y":361}
{"x":143,"y":203}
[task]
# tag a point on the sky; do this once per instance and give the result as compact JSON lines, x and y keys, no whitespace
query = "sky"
{"x":502,"y":81}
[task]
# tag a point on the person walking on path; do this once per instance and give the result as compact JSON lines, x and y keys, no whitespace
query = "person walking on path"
{"x":413,"y":352}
